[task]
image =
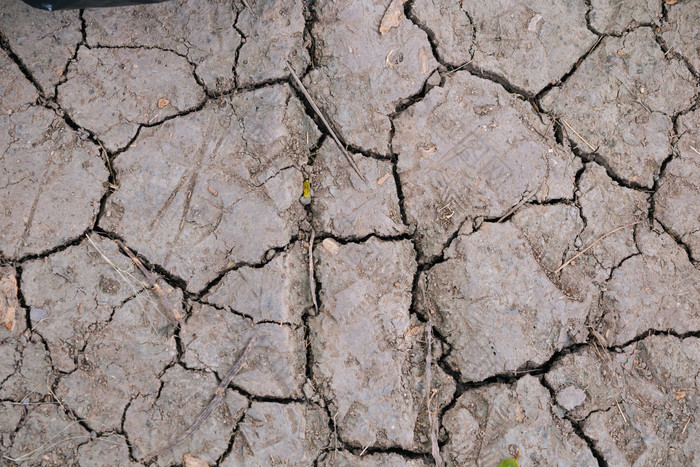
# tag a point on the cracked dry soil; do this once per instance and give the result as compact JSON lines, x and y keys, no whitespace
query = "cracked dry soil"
{"x":499,"y":141}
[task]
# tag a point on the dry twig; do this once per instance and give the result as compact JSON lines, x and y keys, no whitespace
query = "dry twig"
{"x":159,"y":291}
{"x":621,"y":412}
{"x":302,"y":88}
{"x":218,"y":395}
{"x":434,"y":446}
{"x":594,"y":244}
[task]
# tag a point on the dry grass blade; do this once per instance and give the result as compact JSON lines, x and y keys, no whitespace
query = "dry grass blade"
{"x":302,"y":88}
{"x":577,"y":134}
{"x":159,"y":291}
{"x":455,"y":70}
{"x":594,"y":244}
{"x":130,"y":280}
{"x":686,"y":424}
{"x":218,"y":395}
{"x":312,"y":281}
{"x":47,"y":446}
{"x":525,"y":199}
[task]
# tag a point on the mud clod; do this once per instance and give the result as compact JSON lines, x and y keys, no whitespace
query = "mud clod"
{"x":679,"y":190}
{"x":272,"y":433}
{"x":640,"y":404}
{"x":495,"y":320}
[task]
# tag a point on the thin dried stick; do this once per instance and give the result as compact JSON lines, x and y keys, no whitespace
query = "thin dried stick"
{"x":621,"y":412}
{"x":434,"y":446}
{"x":159,"y":291}
{"x":105,"y":156}
{"x":594,"y":244}
{"x":577,"y":134}
{"x":454,"y":70}
{"x":516,"y":207}
{"x":218,"y":395}
{"x":312,"y":282}
{"x":686,"y":424}
{"x":325,"y":122}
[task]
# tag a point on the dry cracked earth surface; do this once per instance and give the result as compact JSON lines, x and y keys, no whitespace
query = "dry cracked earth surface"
{"x":512,"y":271}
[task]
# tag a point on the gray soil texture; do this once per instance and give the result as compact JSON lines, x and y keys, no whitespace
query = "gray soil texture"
{"x":350,"y":233}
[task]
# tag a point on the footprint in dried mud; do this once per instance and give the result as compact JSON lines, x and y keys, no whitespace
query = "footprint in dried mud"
{"x":496,"y":318}
{"x":367,"y":360}
{"x":489,"y":423}
{"x":51,"y":180}
{"x":621,"y":101}
{"x":472,"y":200}
{"x":470,"y":149}
{"x":361,"y":76}
{"x":638,"y":405}
{"x":216,"y":187}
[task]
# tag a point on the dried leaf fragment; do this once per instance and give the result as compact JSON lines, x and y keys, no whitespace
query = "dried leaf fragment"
{"x":423,"y":60}
{"x":191,"y":461}
{"x":383,"y":179}
{"x":518,"y":415}
{"x":671,"y":2}
{"x":8,"y":299}
{"x":392,"y":16}
{"x":331,"y":246}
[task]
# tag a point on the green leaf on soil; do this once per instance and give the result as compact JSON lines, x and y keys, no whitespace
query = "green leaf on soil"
{"x":509,"y":463}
